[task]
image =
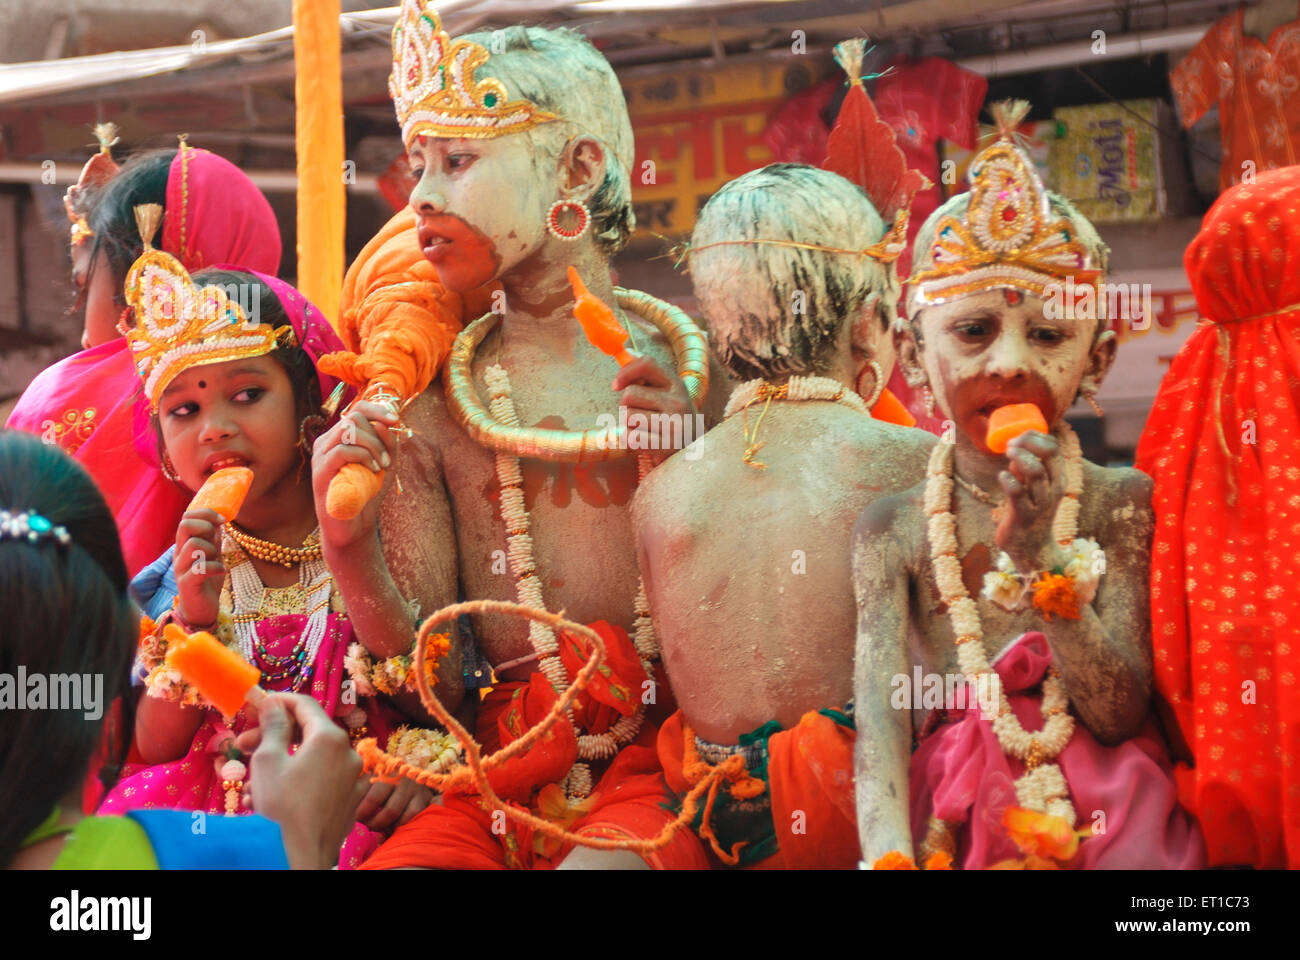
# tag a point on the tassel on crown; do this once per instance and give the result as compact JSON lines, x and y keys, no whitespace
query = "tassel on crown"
{"x":1008,"y":238}
{"x":99,"y":169}
{"x":179,"y":325}
{"x":434,"y":88}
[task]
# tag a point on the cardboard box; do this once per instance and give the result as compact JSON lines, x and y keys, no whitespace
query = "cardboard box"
{"x":1121,"y":162}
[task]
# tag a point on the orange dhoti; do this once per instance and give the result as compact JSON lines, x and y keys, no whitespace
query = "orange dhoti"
{"x":630,"y":801}
{"x":791,"y":806}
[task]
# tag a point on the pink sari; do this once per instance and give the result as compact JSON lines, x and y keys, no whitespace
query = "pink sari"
{"x":960,"y":774}
{"x":193,"y":782}
{"x":86,"y":403}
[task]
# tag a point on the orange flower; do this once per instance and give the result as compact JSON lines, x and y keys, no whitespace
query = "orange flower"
{"x":1040,"y":835}
{"x":939,"y":860}
{"x":553,"y":805}
{"x":894,"y":860}
{"x":1054,"y":594}
{"x":1030,"y":862}
{"x":147,"y":627}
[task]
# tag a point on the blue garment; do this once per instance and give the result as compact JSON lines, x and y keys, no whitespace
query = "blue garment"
{"x":192,"y":840}
{"x":154,"y":588}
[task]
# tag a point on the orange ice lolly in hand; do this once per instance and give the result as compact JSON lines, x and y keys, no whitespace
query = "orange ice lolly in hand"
{"x":224,"y":677}
{"x":598,"y":322}
{"x":1007,"y":423}
{"x":224,"y":492}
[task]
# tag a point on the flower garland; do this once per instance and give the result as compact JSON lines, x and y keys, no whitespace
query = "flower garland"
{"x":160,"y":680}
{"x":1042,"y":787}
{"x":796,"y":388}
{"x":434,"y":750}
{"x":528,"y":589}
{"x":394,"y":674}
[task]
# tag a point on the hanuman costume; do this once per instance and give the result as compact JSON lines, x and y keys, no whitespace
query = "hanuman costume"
{"x":598,"y":774}
{"x":1221,"y":446}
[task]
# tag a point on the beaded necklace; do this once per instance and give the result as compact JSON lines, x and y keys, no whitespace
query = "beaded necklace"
{"x":248,"y":593}
{"x":1042,"y":787}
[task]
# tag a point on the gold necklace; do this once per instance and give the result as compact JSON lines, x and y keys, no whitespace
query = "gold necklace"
{"x":690,"y":350}
{"x":979,"y":493}
{"x":269,"y":552}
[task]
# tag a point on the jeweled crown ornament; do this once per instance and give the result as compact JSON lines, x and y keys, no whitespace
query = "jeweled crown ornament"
{"x":179,"y":325}
{"x":434,"y":88}
{"x":99,"y":169}
{"x":1009,"y":239}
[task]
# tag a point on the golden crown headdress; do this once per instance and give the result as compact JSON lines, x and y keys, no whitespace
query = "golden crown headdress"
{"x":99,"y":169}
{"x":434,"y":88}
{"x":179,"y":325}
{"x":1008,"y":239}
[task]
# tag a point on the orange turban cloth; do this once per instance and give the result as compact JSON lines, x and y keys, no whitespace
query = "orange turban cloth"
{"x":398,"y":323}
{"x":1223,"y":445}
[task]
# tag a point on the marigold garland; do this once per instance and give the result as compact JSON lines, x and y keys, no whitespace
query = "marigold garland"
{"x":395,"y":674}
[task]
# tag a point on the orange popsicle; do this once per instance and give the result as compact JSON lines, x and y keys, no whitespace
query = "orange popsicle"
{"x":220,"y":674}
{"x":1007,"y":423}
{"x":890,"y":409}
{"x":224,"y":492}
{"x":598,"y":322}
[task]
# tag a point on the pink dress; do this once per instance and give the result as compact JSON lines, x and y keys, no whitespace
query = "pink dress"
{"x":960,"y":774}
{"x":194,"y":783}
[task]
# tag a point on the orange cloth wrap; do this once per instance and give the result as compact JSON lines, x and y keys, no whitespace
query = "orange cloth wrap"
{"x":399,"y":323}
{"x":629,"y":801}
{"x":810,"y":778}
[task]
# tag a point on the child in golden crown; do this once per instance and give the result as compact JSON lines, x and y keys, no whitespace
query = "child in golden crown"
{"x":1020,"y":575}
{"x":227,"y":360}
{"x":523,"y":155}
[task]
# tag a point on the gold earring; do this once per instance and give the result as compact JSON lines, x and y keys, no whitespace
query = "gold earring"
{"x":168,"y":470}
{"x":313,"y":424}
{"x":879,"y":384}
{"x":929,"y":403}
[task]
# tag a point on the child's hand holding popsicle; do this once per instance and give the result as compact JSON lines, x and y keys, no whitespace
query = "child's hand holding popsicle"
{"x":1034,"y":482}
{"x":197,"y":561}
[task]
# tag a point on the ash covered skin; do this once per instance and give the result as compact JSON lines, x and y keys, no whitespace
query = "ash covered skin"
{"x":481,"y":206}
{"x":747,"y":570}
{"x":977,"y":353}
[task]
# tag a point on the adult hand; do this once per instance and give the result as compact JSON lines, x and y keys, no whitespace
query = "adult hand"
{"x":649,"y":389}
{"x":198,"y":567}
{"x":314,"y":794}
{"x":389,"y":805}
{"x":363,"y":436}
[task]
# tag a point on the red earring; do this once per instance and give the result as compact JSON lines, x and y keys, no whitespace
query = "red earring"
{"x":578,"y":208}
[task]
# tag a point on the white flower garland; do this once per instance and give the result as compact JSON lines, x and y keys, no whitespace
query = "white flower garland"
{"x":519,"y":544}
{"x":1042,"y":787}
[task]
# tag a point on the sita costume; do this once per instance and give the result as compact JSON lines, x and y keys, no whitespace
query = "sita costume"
{"x":90,"y":403}
{"x":1009,"y":233}
{"x":298,"y":636}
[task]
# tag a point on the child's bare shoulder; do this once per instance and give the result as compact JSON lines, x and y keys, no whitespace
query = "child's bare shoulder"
{"x":896,"y":517}
{"x":1117,"y":496}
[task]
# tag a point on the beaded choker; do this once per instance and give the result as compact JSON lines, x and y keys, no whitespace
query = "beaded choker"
{"x":269,"y":552}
